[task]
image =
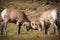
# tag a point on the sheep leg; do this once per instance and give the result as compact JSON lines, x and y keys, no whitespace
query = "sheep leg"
{"x":56,"y":28}
{"x":19,"y":27}
{"x":42,"y":26}
{"x":5,"y":27}
{"x":2,"y":28}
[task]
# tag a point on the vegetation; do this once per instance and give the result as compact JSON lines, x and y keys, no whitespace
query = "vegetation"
{"x":33,"y":9}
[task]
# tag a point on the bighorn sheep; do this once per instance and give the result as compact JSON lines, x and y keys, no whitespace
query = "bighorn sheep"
{"x":49,"y":17}
{"x":13,"y":15}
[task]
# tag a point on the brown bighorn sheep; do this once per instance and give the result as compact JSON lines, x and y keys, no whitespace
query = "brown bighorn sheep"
{"x":13,"y":15}
{"x":49,"y":17}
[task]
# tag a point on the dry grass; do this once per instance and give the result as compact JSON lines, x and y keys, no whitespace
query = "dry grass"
{"x":31,"y":34}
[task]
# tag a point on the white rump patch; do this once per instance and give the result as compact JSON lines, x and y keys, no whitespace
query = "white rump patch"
{"x":3,"y":13}
{"x":54,"y":14}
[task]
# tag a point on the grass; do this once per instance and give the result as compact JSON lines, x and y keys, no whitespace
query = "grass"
{"x":31,"y":34}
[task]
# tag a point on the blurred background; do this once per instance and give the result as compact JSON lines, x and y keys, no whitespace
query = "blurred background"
{"x":30,"y":6}
{"x":33,"y":9}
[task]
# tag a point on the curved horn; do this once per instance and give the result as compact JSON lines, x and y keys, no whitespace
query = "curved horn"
{"x":33,"y":24}
{"x":26,"y":23}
